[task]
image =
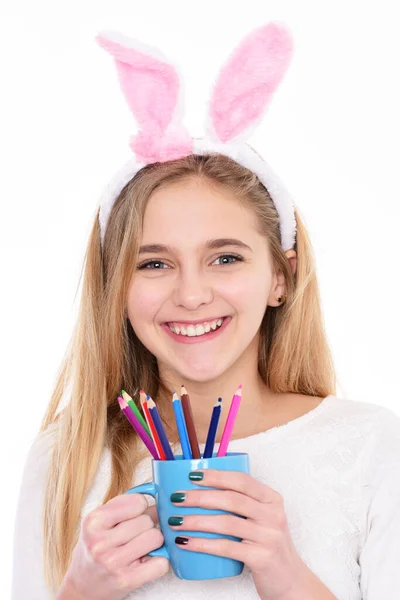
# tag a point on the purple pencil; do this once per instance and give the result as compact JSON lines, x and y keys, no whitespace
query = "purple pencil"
{"x":136,"y":424}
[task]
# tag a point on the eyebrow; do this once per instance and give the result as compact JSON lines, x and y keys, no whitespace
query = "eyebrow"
{"x":210,"y":244}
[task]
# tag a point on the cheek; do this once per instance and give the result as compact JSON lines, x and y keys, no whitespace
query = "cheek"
{"x":144,"y":302}
{"x":246,"y":292}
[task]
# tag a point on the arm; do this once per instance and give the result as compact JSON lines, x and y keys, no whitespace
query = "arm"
{"x":379,"y":557}
{"x":68,"y":591}
{"x":27,"y":569}
{"x":308,"y":587}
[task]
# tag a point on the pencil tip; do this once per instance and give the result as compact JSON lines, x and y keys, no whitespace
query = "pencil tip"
{"x":183,"y":390}
{"x":239,"y":390}
{"x":125,"y":395}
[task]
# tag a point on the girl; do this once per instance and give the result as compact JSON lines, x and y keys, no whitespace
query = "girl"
{"x":200,"y":271}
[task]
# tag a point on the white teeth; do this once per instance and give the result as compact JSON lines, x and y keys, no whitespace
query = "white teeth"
{"x":195,"y":330}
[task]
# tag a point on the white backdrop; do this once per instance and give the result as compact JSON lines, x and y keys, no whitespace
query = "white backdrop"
{"x":331,"y":133}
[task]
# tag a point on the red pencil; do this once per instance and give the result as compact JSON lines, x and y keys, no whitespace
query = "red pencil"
{"x":136,"y":424}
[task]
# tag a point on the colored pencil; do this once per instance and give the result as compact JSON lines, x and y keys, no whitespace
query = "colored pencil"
{"x":181,"y":425}
{"x":151,"y":425}
{"x":187,"y":411}
{"x":160,"y":429}
{"x":135,"y":409}
{"x":230,"y":422}
{"x":212,"y":431}
{"x":136,"y":424}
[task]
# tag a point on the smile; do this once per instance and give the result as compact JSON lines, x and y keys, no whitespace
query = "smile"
{"x":187,"y":333}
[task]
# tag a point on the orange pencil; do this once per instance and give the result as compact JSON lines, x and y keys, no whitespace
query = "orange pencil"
{"x":149,"y":420}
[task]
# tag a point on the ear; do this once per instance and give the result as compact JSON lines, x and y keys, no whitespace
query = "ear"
{"x":151,"y":86}
{"x":247,"y":82}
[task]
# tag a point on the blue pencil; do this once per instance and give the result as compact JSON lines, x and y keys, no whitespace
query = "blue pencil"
{"x":160,"y":429}
{"x":212,"y":431}
{"x":181,"y":425}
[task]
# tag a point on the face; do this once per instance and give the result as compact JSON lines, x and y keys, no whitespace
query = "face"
{"x":195,"y":281}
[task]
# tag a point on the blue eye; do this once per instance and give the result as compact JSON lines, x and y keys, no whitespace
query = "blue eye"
{"x":147,"y":264}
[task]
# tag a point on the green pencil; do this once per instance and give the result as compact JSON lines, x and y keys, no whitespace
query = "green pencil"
{"x":135,"y":409}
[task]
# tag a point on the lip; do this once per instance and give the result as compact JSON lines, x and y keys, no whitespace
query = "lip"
{"x":184,"y":339}
{"x":198,"y":321}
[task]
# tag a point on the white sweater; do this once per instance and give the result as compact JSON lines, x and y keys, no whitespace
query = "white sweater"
{"x":338,"y":470}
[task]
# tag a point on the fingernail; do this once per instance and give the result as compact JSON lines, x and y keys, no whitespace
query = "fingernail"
{"x":178,"y":497}
{"x":198,"y":476}
{"x":181,"y":540}
{"x":175,"y":520}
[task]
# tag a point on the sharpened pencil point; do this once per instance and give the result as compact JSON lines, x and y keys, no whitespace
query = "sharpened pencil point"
{"x":122,"y":402}
{"x":174,"y":396}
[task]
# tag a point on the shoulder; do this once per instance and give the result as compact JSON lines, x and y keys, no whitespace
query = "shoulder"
{"x":372,"y":428}
{"x":39,"y":456}
{"x":363,"y":414}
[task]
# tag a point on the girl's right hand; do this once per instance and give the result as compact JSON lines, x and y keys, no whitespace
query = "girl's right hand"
{"x":110,"y":559}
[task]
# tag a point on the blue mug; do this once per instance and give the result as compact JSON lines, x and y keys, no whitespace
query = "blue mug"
{"x":172,"y":475}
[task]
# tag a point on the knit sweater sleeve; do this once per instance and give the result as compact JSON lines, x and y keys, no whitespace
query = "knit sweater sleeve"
{"x":380,"y":554}
{"x":27,"y":572}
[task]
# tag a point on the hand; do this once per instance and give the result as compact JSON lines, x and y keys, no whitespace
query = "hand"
{"x":110,"y":559}
{"x":266,"y":547}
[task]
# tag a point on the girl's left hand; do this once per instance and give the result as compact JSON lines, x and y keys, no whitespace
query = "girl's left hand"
{"x":266,"y":547}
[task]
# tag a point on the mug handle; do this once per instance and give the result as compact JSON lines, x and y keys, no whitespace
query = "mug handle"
{"x":149,"y":488}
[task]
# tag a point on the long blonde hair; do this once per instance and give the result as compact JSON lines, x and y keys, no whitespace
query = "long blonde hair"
{"x":105,"y":356}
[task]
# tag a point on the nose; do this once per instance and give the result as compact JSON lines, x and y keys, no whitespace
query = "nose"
{"x":192,"y":289}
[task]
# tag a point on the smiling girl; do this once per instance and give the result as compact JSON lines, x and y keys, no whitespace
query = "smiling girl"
{"x":197,"y":273}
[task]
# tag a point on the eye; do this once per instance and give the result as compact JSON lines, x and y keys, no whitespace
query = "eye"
{"x":149,"y":264}
{"x":236,"y":258}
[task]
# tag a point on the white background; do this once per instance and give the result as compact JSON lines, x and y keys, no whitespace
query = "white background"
{"x":331,"y":133}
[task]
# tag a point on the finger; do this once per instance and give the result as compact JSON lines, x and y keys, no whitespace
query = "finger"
{"x":218,"y":546}
{"x":136,"y":548}
{"x":225,"y":500}
{"x":246,"y":529}
{"x":118,"y":509}
{"x":144,"y":572}
{"x":115,"y":559}
{"x":122,"y":533}
{"x":239,"y":482}
{"x":153,"y":513}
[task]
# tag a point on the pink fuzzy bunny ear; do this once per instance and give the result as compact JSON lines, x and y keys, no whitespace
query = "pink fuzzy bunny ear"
{"x":152,"y":88}
{"x":248,"y":80}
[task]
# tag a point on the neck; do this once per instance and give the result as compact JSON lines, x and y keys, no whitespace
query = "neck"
{"x":257,"y":400}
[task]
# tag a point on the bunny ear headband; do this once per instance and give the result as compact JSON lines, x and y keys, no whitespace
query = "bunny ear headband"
{"x":244,"y":87}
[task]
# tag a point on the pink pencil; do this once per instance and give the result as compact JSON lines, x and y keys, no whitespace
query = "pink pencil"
{"x":230,"y":421}
{"x":136,"y":424}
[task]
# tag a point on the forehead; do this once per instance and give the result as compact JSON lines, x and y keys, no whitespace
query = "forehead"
{"x":198,"y":207}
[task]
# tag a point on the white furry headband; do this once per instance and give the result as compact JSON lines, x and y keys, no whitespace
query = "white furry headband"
{"x":245,"y":85}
